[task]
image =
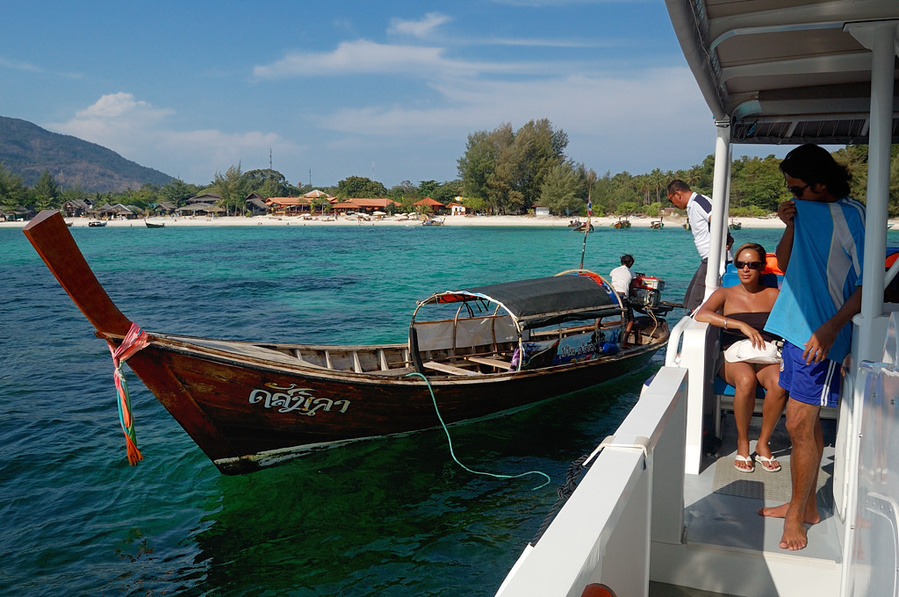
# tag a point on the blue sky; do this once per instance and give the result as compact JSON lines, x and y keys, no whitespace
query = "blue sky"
{"x":387,"y":90}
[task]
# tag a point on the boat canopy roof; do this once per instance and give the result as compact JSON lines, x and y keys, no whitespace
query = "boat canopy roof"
{"x":785,"y":71}
{"x":802,"y":71}
{"x":542,"y":301}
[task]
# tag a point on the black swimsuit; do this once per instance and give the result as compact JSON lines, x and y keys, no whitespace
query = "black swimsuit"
{"x":756,"y":320}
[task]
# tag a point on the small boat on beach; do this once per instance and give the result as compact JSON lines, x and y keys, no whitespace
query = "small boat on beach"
{"x":622,"y":223}
{"x":581,"y":227}
{"x":96,"y":224}
{"x":471,"y":353}
{"x":154,"y":225}
{"x":735,"y":225}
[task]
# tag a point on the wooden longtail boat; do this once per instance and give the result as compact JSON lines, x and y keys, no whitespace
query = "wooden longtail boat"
{"x":491,"y":349}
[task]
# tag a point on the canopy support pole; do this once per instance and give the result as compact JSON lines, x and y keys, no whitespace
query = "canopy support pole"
{"x":880,"y":38}
{"x":870,"y":326}
{"x":720,"y":206}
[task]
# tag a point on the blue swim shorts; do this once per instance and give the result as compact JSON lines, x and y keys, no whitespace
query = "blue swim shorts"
{"x":817,"y":384}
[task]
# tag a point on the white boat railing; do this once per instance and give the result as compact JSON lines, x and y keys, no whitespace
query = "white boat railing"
{"x":673,"y":350}
{"x":871,"y":552}
{"x":692,"y":346}
{"x":638,"y":476}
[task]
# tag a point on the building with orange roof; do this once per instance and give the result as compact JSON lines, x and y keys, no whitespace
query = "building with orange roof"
{"x":367,"y":205}
{"x":287,"y":206}
{"x":428,"y":204}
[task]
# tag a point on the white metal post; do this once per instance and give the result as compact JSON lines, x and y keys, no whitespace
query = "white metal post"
{"x":881,"y":39}
{"x":719,"y":206}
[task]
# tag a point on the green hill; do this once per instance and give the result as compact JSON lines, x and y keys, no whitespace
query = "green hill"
{"x":27,"y":150}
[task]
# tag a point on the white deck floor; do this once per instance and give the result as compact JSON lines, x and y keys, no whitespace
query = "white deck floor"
{"x":720,"y":511}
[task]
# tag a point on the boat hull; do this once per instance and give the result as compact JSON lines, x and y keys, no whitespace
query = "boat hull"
{"x":247,"y":415}
{"x":249,"y":405}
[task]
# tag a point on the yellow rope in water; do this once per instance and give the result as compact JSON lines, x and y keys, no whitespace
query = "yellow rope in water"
{"x":452,"y":453}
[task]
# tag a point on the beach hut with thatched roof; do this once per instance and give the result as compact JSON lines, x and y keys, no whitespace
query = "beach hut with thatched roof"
{"x":75,"y":208}
{"x":287,"y":206}
{"x":256,"y":205}
{"x":201,"y":209}
{"x":210,"y":198}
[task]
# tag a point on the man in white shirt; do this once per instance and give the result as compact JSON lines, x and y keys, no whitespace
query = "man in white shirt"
{"x":699,"y":214}
{"x":622,"y":276}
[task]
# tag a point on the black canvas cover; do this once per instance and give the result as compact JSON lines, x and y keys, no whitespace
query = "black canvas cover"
{"x":542,"y":301}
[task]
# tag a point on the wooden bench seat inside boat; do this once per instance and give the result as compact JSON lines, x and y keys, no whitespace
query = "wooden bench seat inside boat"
{"x":490,"y":362}
{"x":446,"y":368}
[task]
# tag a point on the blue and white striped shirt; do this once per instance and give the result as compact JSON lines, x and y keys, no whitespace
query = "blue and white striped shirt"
{"x":825,"y":269}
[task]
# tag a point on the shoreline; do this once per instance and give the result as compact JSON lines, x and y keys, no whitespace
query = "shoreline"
{"x":473,"y":221}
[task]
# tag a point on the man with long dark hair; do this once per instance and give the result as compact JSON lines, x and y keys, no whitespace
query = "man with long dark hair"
{"x":821,"y":253}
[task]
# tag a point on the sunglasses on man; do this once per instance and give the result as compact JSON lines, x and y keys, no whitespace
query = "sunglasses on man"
{"x":798,"y":191}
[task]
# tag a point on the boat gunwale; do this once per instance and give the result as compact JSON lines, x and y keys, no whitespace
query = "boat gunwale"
{"x":182,"y":345}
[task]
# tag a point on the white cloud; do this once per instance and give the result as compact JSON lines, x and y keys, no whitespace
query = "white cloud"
{"x":371,"y":58}
{"x":139,"y":132}
{"x":557,"y":3}
{"x":120,"y":106}
{"x":361,"y":57}
{"x":608,"y":120}
{"x":591,"y":103}
{"x":33,"y":68}
{"x":534,"y":42}
{"x":18,"y":65}
{"x":421,"y":28}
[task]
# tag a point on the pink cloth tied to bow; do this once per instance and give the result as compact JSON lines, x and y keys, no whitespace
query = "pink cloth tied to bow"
{"x":134,"y":340}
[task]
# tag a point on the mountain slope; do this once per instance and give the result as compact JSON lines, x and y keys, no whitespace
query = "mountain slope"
{"x":27,"y":150}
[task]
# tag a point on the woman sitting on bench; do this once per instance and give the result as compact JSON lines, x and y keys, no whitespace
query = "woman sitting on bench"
{"x":741,"y":311}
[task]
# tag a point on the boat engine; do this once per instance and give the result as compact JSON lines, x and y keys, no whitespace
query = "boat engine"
{"x":646,"y":295}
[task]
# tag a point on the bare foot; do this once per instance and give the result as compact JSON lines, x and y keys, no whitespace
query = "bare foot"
{"x":811,"y":517}
{"x":794,"y":537}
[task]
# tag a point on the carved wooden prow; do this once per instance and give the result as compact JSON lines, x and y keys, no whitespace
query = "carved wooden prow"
{"x":52,"y":240}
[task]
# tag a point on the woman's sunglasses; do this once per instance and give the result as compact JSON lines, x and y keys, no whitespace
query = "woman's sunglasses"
{"x":749,"y":264}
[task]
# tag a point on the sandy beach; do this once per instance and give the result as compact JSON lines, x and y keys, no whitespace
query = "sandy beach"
{"x":485,"y":221}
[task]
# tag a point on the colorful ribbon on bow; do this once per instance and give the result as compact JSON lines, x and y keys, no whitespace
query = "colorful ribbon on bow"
{"x":134,"y":340}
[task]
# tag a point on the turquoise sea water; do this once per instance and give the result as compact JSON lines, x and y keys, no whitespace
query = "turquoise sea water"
{"x":392,"y":517}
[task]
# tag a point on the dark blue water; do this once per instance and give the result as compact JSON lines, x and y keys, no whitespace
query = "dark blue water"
{"x":394,"y":517}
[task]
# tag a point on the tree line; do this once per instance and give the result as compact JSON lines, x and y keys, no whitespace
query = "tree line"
{"x":503,"y":171}
{"x":508,"y":171}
